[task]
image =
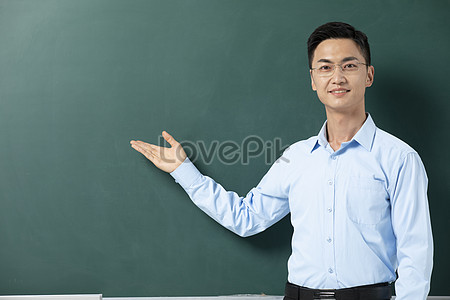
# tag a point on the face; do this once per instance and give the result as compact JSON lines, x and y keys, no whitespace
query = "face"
{"x":341,"y":92}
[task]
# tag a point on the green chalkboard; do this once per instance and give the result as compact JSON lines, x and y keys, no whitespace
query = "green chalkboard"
{"x":82,"y":212}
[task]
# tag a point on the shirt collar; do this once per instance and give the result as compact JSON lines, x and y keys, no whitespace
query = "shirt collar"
{"x":364,"y":136}
{"x":366,"y":133}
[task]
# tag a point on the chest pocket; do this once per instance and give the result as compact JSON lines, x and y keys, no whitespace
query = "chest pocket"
{"x":366,"y":200}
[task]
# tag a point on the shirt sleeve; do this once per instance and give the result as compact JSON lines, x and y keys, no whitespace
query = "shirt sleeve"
{"x":262,"y":207}
{"x":412,"y":228}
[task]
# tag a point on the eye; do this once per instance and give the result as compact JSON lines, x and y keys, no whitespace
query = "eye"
{"x":351,"y":66}
{"x":324,"y":68}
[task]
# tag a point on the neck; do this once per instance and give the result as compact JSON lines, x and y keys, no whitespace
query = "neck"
{"x":341,"y":127}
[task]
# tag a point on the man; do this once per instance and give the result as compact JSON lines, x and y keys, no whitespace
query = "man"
{"x":357,"y":195}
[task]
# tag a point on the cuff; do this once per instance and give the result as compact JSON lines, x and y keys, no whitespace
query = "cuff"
{"x":186,"y":174}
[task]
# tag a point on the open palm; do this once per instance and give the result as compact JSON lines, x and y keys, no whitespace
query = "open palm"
{"x":166,"y":159}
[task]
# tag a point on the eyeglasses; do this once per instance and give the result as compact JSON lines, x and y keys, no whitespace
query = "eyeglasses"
{"x":327,"y":70}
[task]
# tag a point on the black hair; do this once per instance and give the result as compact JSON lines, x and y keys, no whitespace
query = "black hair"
{"x":338,"y":30}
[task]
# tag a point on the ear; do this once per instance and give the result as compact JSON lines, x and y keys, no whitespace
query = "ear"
{"x":370,"y":75}
{"x":313,"y":85}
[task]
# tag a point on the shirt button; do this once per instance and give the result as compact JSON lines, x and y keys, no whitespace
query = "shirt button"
{"x":329,"y":209}
{"x":330,"y":270}
{"x":330,"y":182}
{"x":334,"y":157}
{"x":329,"y":240}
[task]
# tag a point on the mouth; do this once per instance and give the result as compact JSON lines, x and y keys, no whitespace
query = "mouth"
{"x":339,"y":92}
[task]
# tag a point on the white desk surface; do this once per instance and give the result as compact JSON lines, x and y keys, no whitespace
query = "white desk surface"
{"x":236,"y":297}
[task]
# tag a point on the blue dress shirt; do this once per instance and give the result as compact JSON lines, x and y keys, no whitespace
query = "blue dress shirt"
{"x":359,"y":213}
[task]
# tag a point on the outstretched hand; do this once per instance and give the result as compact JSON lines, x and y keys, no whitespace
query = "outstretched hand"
{"x":166,"y":159}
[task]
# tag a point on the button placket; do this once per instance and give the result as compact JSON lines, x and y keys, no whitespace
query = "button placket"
{"x":329,"y":216}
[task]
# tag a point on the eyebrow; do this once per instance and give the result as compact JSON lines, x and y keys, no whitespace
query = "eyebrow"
{"x":343,"y":60}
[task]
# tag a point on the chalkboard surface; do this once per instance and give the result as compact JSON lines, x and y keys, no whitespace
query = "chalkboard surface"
{"x":82,"y":212}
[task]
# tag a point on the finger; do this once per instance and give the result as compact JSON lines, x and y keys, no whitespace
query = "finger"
{"x":169,"y":139}
{"x":139,"y":142}
{"x":146,"y":146}
{"x":150,"y":155}
{"x":138,"y":148}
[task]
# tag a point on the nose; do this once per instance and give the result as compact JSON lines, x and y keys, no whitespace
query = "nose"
{"x":338,"y":76}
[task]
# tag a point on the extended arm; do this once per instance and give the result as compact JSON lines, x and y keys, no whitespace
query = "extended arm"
{"x":260,"y":208}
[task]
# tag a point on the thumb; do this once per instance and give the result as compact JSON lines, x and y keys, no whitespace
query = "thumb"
{"x":169,"y":139}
